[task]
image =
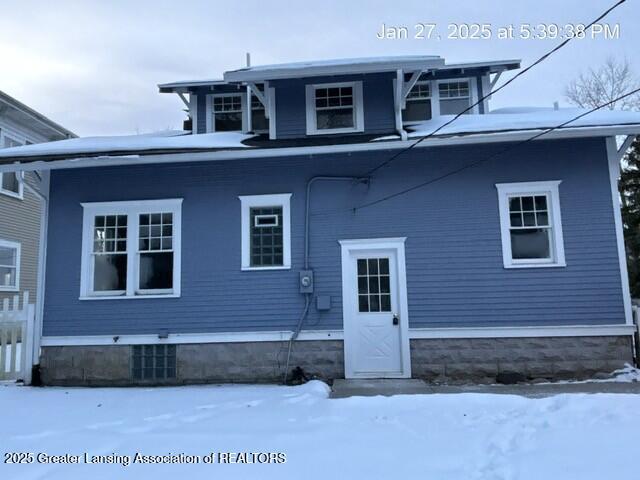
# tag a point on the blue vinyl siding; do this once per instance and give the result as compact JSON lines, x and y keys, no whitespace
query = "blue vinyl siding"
{"x":455,"y":275}
{"x":377,"y":96}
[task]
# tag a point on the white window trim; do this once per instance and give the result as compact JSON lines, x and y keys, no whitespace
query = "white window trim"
{"x":17,"y":246}
{"x":275,"y":200}
{"x":358,"y":108}
{"x":473,"y":94}
{"x":430,"y":98}
{"x":211,"y":125}
{"x":21,"y":141}
{"x":549,"y":188}
{"x":132,"y":209}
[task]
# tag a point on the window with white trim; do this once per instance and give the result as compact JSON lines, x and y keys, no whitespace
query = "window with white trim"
{"x":530,"y":224}
{"x":266,"y":232}
{"x":334,"y":108}
{"x":9,"y":184}
{"x":227,"y":112}
{"x":9,"y":266}
{"x":259,"y":120}
{"x":455,"y":97}
{"x":417,"y":104}
{"x":131,"y":249}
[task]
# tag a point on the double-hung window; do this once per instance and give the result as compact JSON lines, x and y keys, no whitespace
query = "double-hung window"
{"x":9,"y":266}
{"x":227,"y":112}
{"x":9,"y":184}
{"x":334,"y":108}
{"x":131,"y":249}
{"x":531,"y":225}
{"x":266,"y":232}
{"x":455,"y":97}
{"x":418,"y":104}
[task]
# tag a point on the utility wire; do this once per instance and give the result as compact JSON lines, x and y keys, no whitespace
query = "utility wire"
{"x":501,"y":152}
{"x":519,"y":74}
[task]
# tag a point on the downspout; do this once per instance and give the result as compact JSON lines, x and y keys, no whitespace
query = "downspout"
{"x":42,"y":257}
{"x":307,"y":299}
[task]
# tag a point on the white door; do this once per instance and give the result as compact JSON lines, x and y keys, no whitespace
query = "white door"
{"x":374,"y":309}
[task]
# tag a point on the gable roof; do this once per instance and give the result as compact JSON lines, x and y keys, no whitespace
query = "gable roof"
{"x":25,"y":115}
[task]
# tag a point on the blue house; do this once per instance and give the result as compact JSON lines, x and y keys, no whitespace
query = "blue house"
{"x":330,"y":218}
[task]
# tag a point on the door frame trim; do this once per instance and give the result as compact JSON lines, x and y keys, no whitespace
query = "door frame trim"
{"x":348,"y":294}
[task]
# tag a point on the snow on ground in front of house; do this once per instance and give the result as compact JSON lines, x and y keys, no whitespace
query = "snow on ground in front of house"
{"x":455,"y":436}
{"x":627,"y":374}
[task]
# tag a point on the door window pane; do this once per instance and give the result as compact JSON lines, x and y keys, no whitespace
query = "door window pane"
{"x":374,"y":293}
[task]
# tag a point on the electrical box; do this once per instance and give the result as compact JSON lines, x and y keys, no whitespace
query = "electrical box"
{"x":306,"y":281}
{"x":323,"y":303}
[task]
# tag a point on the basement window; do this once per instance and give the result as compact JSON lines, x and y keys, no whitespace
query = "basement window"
{"x":153,"y":362}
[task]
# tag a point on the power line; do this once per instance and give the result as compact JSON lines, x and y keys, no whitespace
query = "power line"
{"x":519,"y":74}
{"x":505,"y":150}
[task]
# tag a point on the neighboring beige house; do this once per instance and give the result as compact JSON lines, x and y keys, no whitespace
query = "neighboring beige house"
{"x":20,"y":208}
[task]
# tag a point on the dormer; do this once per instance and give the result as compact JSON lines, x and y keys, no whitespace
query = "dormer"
{"x":367,"y":96}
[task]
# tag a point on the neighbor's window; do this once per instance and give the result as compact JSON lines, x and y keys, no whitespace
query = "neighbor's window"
{"x":266,"y":231}
{"x":9,"y":265}
{"x":531,"y":227}
{"x":418,"y":104}
{"x":334,"y":108}
{"x":153,"y":362}
{"x":454,"y":97}
{"x":9,"y":184}
{"x":131,"y":249}
{"x":227,"y":113}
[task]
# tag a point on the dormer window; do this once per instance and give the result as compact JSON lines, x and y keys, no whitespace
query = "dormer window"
{"x":334,"y":108}
{"x":454,"y":97}
{"x":227,"y":113}
{"x":259,"y":121}
{"x":418,"y":104}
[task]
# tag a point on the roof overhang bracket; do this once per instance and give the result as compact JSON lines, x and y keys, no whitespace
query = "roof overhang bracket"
{"x":407,"y":86}
{"x":494,"y":80}
{"x":264,"y":99}
{"x":625,"y":146}
{"x":183,"y":98}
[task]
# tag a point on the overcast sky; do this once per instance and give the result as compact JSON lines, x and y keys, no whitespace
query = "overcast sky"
{"x":94,"y":66}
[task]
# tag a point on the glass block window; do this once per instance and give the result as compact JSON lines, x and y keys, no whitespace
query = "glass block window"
{"x":110,"y":253}
{"x":266,"y":244}
{"x":374,"y":289}
{"x":418,"y":104}
{"x":334,"y":108}
{"x":227,"y":113}
{"x":530,"y":229}
{"x":153,"y":362}
{"x":155,"y":247}
{"x":9,"y":265}
{"x":454,"y":97}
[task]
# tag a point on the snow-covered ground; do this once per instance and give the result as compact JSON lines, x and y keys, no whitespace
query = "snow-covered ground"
{"x":461,"y":436}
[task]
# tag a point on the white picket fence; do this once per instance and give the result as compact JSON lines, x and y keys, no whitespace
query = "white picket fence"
{"x":16,"y":339}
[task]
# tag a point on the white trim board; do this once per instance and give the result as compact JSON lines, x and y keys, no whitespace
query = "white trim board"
{"x":614,"y":173}
{"x":306,"y":335}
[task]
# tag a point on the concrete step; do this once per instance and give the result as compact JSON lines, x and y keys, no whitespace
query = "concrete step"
{"x":343,"y":388}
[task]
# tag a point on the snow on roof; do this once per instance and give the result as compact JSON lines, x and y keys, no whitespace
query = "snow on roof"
{"x":160,"y":141}
{"x":185,"y":84}
{"x":523,"y":118}
{"x":333,"y":67}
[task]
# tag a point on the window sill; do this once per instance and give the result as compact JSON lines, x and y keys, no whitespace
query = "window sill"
{"x":11,"y":194}
{"x":128,"y":297}
{"x":9,"y":289}
{"x":535,"y":265}
{"x":250,"y":269}
{"x":334,"y":131}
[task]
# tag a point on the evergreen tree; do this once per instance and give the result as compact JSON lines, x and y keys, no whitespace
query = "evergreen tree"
{"x":630,"y":195}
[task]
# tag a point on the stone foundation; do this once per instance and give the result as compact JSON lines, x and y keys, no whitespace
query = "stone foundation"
{"x":475,"y":360}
